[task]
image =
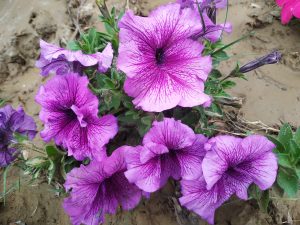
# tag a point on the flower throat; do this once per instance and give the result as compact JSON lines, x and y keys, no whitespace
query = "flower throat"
{"x":159,"y":56}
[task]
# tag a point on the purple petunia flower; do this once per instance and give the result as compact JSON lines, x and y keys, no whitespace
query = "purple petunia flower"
{"x":171,"y":149}
{"x":69,"y":112}
{"x":13,"y":121}
{"x":98,"y":189}
{"x":229,"y":167}
{"x":164,"y":67}
{"x":210,"y":30}
{"x":62,"y":61}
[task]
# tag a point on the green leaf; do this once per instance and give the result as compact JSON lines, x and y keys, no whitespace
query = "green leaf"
{"x":297,"y":170}
{"x":51,"y":172}
{"x":147,"y":120}
{"x":191,"y":118}
{"x":2,"y":102}
{"x":109,"y":84}
{"x":53,"y":153}
{"x":115,"y":76}
{"x":284,"y":160}
{"x":20,"y":138}
{"x":121,"y":14}
{"x":160,"y":117}
{"x":285,"y":135}
{"x":143,"y":128}
{"x":215,"y":74}
{"x":264,"y":200}
{"x":130,"y":113}
{"x":214,"y":111}
{"x":279,"y":145}
{"x":227,"y":84}
{"x":294,"y":149}
{"x":219,"y":57}
{"x":297,"y":136}
{"x":109,"y":28}
{"x":73,"y":45}
{"x":115,"y":101}
{"x":37,"y":162}
{"x":288,"y":180}
{"x":217,"y":44}
{"x":262,"y":197}
{"x":68,"y":163}
{"x":127,"y":102}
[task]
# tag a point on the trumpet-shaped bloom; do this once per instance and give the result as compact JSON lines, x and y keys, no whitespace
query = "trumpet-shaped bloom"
{"x":230,"y":165}
{"x":69,"y":112}
{"x":171,"y":149}
{"x":163,"y":65}
{"x":13,"y":121}
{"x":62,"y":61}
{"x":98,"y":189}
{"x":290,"y":8}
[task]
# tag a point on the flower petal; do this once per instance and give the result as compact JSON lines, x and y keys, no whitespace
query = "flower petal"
{"x":148,"y":176}
{"x":202,"y":201}
{"x":262,"y":164}
{"x":224,"y":150}
{"x":171,"y":133}
{"x":190,"y":158}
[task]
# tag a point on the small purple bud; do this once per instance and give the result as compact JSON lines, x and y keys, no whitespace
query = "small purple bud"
{"x":272,"y":58}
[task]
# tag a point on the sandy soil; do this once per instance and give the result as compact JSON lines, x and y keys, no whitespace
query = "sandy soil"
{"x":271,"y":95}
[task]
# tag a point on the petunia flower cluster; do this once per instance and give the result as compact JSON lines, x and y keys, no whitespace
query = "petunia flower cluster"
{"x":162,"y":58}
{"x":210,"y":172}
{"x":13,"y":122}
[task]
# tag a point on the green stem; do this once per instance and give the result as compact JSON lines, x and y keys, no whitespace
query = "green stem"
{"x":226,"y":17}
{"x":202,"y":19}
{"x":232,"y":43}
{"x":225,"y":78}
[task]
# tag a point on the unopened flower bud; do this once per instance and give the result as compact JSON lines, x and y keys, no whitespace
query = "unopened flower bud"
{"x":272,"y":58}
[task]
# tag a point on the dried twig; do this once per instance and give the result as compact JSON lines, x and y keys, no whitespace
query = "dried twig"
{"x":75,"y":20}
{"x":241,"y":125}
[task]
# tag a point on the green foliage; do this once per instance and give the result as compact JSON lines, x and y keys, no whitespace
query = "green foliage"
{"x":111,"y":25}
{"x":218,"y":57}
{"x":236,"y":73}
{"x":55,"y":164}
{"x":216,"y":87}
{"x":13,"y":187}
{"x":288,"y":180}
{"x":20,"y":138}
{"x":288,"y":153}
{"x":2,"y":102}
{"x":262,"y":197}
{"x":90,"y":42}
{"x":49,"y":164}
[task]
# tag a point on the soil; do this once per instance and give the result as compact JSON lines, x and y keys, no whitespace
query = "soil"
{"x":271,"y":95}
